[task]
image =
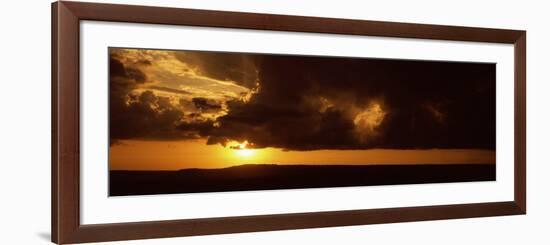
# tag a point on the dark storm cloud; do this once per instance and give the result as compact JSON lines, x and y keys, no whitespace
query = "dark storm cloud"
{"x":147,"y":117}
{"x":239,"y":68}
{"x":307,"y":103}
{"x":130,"y":74}
{"x":206,"y":105}
{"x":122,"y":80}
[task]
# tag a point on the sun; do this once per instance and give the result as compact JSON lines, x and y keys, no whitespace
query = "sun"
{"x":245,"y":152}
{"x":242,"y":151}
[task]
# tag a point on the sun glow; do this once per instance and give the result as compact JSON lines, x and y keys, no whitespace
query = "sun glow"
{"x":243,"y":151}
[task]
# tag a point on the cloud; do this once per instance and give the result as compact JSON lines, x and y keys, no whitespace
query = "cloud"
{"x":235,"y":67}
{"x":169,"y":90}
{"x":206,"y":105}
{"x":144,"y":114}
{"x":310,"y":103}
{"x":302,"y":102}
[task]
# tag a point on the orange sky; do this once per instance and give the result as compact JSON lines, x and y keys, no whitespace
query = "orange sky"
{"x":173,"y":155}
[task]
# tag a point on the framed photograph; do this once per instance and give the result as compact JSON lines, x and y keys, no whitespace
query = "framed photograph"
{"x":174,"y":122}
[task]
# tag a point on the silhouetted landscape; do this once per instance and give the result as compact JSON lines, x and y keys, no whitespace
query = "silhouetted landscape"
{"x":271,"y":176}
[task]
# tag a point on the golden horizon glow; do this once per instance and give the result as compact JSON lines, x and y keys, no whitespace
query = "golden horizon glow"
{"x":175,"y":155}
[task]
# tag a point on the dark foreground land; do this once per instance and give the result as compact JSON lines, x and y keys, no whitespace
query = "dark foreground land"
{"x":267,"y":177}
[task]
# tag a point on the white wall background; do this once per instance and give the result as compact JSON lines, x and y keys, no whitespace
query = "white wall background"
{"x":25,"y":121}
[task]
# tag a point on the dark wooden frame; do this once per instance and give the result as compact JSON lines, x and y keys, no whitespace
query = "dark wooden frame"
{"x":66,"y":227}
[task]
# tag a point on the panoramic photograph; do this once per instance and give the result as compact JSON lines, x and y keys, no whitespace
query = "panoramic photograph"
{"x":185,"y":121}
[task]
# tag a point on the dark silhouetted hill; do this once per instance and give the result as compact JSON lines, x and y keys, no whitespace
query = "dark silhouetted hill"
{"x":272,"y":176}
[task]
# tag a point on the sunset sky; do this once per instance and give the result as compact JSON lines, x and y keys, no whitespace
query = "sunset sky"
{"x":189,"y":109}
